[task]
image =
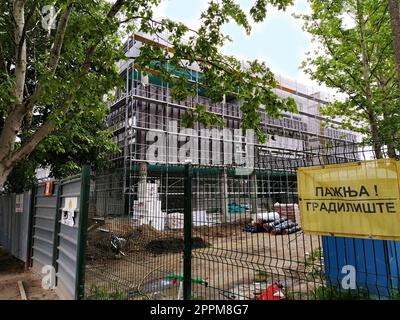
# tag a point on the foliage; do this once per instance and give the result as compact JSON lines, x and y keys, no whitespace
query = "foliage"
{"x":82,"y":139}
{"x":335,"y":293}
{"x":97,"y":293}
{"x":22,"y":176}
{"x":52,"y":78}
{"x":354,"y":55}
{"x":262,"y":276}
{"x":314,"y":265}
{"x":316,"y":255}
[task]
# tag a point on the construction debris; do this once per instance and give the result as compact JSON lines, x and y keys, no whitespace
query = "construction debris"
{"x":271,"y":223}
{"x":288,"y":210}
{"x":117,"y":243}
{"x":22,"y":290}
{"x":175,"y":220}
{"x":174,"y":245}
{"x":273,"y":292}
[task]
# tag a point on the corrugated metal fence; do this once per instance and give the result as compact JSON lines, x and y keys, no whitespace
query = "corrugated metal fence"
{"x":14,"y":224}
{"x":67,"y":242}
{"x":52,"y":238}
{"x":43,"y":227}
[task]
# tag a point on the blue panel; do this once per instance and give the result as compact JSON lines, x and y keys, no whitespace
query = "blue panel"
{"x":374,"y":260}
{"x":394,"y":263}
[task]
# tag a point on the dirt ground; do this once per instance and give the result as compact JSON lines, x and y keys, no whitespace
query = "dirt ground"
{"x":233,"y":262}
{"x":12,"y":271}
{"x":9,"y":264}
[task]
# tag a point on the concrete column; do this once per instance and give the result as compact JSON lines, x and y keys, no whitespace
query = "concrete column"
{"x":197,"y":193}
{"x":253,"y":193}
{"x":224,"y":196}
{"x":142,"y":170}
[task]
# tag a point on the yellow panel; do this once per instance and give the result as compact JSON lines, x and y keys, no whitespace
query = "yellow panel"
{"x":359,"y":199}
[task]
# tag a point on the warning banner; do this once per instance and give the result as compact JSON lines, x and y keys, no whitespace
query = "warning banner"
{"x":360,"y":199}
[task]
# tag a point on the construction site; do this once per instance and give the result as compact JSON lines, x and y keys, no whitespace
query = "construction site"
{"x":245,"y":218}
{"x":144,"y":112}
{"x":152,"y":150}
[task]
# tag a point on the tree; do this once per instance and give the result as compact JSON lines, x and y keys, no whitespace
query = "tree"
{"x":71,"y":67}
{"x":358,"y":61}
{"x":81,"y":139}
{"x":394,"y":10}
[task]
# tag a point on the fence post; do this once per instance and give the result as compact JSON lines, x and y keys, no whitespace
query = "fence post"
{"x":224,"y":196}
{"x":187,"y":252}
{"x":57,"y":224}
{"x":82,"y":235}
{"x":32,"y":203}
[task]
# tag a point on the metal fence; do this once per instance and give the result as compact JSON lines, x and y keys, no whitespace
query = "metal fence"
{"x":55,"y":243}
{"x":14,"y":222}
{"x":216,"y":233}
{"x":57,"y":239}
{"x":48,"y":229}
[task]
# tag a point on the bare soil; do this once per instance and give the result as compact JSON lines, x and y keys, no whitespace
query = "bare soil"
{"x":9,"y":264}
{"x":12,"y":271}
{"x":233,"y":258}
{"x":174,"y":245}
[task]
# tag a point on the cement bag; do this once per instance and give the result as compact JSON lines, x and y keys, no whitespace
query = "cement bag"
{"x":297,"y":215}
{"x":200,"y":218}
{"x":175,"y":220}
{"x":268,"y":216}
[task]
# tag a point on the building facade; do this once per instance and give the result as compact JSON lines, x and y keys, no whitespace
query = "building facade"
{"x":144,"y":112}
{"x":146,"y":125}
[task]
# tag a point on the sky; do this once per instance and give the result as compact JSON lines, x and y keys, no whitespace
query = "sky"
{"x":279,"y":40}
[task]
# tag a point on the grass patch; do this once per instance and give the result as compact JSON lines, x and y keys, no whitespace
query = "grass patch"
{"x":97,"y":293}
{"x":334,"y":293}
{"x":261,"y":276}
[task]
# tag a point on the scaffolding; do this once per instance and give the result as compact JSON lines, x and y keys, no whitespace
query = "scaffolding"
{"x":146,"y":107}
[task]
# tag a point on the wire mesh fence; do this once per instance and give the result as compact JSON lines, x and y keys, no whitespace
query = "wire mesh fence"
{"x":130,"y":253}
{"x":199,"y":232}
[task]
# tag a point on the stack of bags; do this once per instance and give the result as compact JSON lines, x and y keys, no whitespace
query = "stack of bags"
{"x":272,"y":223}
{"x":147,"y":209}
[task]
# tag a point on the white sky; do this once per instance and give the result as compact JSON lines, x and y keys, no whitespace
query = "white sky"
{"x":279,"y":40}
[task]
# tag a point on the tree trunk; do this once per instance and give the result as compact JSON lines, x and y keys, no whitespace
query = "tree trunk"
{"x":12,"y":125}
{"x":394,"y":10}
{"x":376,"y":143}
{"x":390,"y":137}
{"x":20,"y":52}
{"x":16,"y":112}
{"x":391,"y":150}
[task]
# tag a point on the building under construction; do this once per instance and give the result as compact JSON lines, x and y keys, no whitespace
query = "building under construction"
{"x":144,"y":111}
{"x":228,"y":222}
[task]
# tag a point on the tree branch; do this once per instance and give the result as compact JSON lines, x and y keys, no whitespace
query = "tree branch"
{"x":351,"y":97}
{"x":44,"y":130}
{"x":31,"y":144}
{"x":48,"y":126}
{"x":54,"y":56}
{"x":115,"y":8}
{"x":3,"y":62}
{"x":23,"y":35}
{"x":59,"y":38}
{"x":378,"y":62}
{"x":20,"y":56}
{"x":332,"y":53}
{"x":111,"y":14}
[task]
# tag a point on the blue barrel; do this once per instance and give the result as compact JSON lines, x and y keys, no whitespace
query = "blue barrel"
{"x":376,"y":263}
